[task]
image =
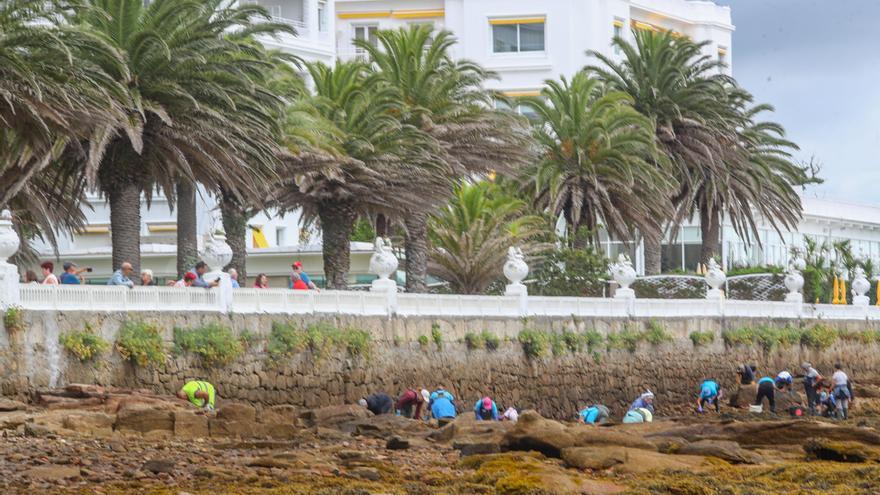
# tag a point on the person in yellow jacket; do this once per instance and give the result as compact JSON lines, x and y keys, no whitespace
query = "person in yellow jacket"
{"x":198,"y":393}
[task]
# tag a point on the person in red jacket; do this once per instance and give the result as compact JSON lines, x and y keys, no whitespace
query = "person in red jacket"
{"x":412,"y":399}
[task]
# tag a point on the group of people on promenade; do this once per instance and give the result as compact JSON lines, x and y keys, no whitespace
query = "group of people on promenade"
{"x":75,"y":275}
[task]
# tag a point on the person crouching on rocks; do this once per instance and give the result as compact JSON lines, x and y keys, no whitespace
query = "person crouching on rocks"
{"x":710,"y":394}
{"x":378,"y":403}
{"x":595,"y":414}
{"x":645,"y":401}
{"x":485,"y":410}
{"x":198,"y":393}
{"x":640,"y":415}
{"x":442,"y":406}
{"x":410,"y":403}
{"x":766,"y":390}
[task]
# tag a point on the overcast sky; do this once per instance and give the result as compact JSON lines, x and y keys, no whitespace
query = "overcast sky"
{"x":818,"y":63}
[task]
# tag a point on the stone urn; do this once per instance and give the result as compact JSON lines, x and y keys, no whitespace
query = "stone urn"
{"x":216,"y":252}
{"x":860,"y":287}
{"x":624,"y":274}
{"x":715,"y":278}
{"x":382,"y":264}
{"x":794,"y":281}
{"x":9,"y":241}
{"x":9,"y":278}
{"x":515,"y":270}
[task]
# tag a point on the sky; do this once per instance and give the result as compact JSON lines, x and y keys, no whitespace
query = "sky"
{"x":818,"y":63}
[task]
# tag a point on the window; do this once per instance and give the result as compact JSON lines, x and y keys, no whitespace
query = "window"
{"x":722,"y":55}
{"x":524,"y":110}
{"x":517,"y":35}
{"x":280,"y":236}
{"x":618,"y":33}
{"x":368,"y":33}
{"x":322,"y":16}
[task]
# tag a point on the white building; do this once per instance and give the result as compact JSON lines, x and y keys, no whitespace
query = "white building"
{"x":525,"y":43}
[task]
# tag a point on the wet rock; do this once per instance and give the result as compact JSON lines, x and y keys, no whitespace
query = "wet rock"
{"x":188,"y":424}
{"x":385,"y":425}
{"x":12,"y":420}
{"x":469,"y":449}
{"x":397,"y":443}
{"x":268,"y":462}
{"x":770,"y":433}
{"x":223,"y":428}
{"x":142,"y":418}
{"x":726,"y":450}
{"x":527,"y":472}
{"x":824,"y":449}
{"x":37,"y":430}
{"x":283,"y":414}
{"x":8,"y":405}
{"x":335,"y":416}
{"x":51,"y":472}
{"x":592,"y":458}
{"x":157,"y":466}
{"x":365,"y":473}
{"x":89,"y":423}
{"x":237,"y":412}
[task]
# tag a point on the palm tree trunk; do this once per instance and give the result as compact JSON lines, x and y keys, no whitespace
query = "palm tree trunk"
{"x":382,"y":225}
{"x":416,"y":246}
{"x":653,"y":250}
{"x":125,"y":224}
{"x":710,"y":228}
{"x":235,"y":224}
{"x":187,"y":228}
{"x":337,"y":224}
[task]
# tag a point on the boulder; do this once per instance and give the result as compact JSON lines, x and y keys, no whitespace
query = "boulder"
{"x":51,"y":472}
{"x":8,"y":405}
{"x":157,"y":466}
{"x":397,"y":443}
{"x":335,"y":416}
{"x":722,"y":449}
{"x":188,"y":424}
{"x":770,"y":433}
{"x":365,"y":473}
{"x":280,"y":414}
{"x":89,"y":423}
{"x":237,"y":412}
{"x":385,"y":425}
{"x":142,"y":418}
{"x":236,"y":429}
{"x":824,"y":449}
{"x":592,"y":458}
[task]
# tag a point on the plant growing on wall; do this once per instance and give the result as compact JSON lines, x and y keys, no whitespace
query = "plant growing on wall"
{"x":215,"y":344}
{"x":656,"y":333}
{"x":285,"y":340}
{"x":702,"y":338}
{"x":473,"y":340}
{"x":534,"y":343}
{"x":437,"y":336}
{"x":491,"y":340}
{"x":85,"y":344}
{"x":13,"y":320}
{"x":141,"y":343}
{"x":423,"y":342}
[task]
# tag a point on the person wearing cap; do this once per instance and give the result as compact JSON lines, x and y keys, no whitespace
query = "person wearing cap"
{"x":378,"y":403}
{"x":122,"y":276}
{"x":71,"y":275}
{"x":645,"y":401}
{"x":186,"y":281}
{"x":485,"y":409}
{"x":410,"y":403}
{"x":710,"y":393}
{"x":298,"y":273}
{"x":597,"y":413}
{"x":638,"y":415}
{"x":442,"y":406}
{"x":812,"y":383}
{"x":198,"y":393}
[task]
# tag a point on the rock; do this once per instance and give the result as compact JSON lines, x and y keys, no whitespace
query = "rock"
{"x":334,"y":416}
{"x":591,"y":458}
{"x":223,"y":428}
{"x":385,"y":425}
{"x":468,"y":449}
{"x":365,"y":473}
{"x":268,"y":462}
{"x":89,"y":423}
{"x":671,"y":445}
{"x":397,"y":443}
{"x":824,"y":449}
{"x":527,"y":472}
{"x":142,"y":418}
{"x":9,"y":405}
{"x":51,"y":472}
{"x":237,"y":412}
{"x":157,"y":466}
{"x":37,"y":430}
{"x":12,"y":420}
{"x":283,"y":414}
{"x":770,"y":433}
{"x":188,"y":424}
{"x":722,"y":449}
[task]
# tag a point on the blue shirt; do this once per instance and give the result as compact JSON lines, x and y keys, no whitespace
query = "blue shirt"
{"x":302,"y":276}
{"x":478,"y":410}
{"x":589,"y":415}
{"x":442,"y":405}
{"x":199,"y":281}
{"x":766,"y":379}
{"x":640,"y":403}
{"x":119,"y":279}
{"x":235,"y":283}
{"x":68,"y":278}
{"x":708,"y":389}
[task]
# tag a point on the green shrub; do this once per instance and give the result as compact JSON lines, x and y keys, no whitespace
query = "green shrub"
{"x":557,"y":343}
{"x":141,"y":343}
{"x":656,"y":333}
{"x":285,"y":340}
{"x":356,"y":342}
{"x":423,"y":341}
{"x":867,"y":336}
{"x":701,"y":338}
{"x":473,"y":340}
{"x":85,"y":345}
{"x":248,"y":338}
{"x":819,"y":336}
{"x":628,"y":339}
{"x":13,"y":320}
{"x":437,"y":336}
{"x":573,"y":341}
{"x":534,"y":343}
{"x":491,"y":340}
{"x":396,"y":340}
{"x":593,"y":339}
{"x":215,"y":344}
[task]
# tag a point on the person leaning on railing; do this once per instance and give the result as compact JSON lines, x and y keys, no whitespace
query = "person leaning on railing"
{"x":122,"y":276}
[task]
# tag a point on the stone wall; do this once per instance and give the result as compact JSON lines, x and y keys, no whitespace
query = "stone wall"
{"x":555,"y":386}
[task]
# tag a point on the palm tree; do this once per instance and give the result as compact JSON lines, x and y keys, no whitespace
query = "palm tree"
{"x":682,"y":92}
{"x":367,"y":157}
{"x":597,"y":160}
{"x":445,"y":99}
{"x":470,"y":236}
{"x":199,"y":111}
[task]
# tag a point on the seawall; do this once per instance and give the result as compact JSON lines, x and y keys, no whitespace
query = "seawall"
{"x":32,"y":359}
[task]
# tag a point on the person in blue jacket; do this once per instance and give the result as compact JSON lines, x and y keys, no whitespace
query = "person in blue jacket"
{"x":710,"y":393}
{"x":486,"y":410}
{"x":442,"y":406}
{"x":597,"y":413}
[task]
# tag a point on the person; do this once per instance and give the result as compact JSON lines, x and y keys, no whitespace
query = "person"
{"x":72,"y":274}
{"x":827,"y":405}
{"x":147,"y":277}
{"x":186,"y":281}
{"x":784,"y":380}
{"x":638,"y":415}
{"x":296,"y":283}
{"x":710,"y":393}
{"x":199,"y":271}
{"x":30,"y":277}
{"x":595,"y":414}
{"x":766,"y":390}
{"x":485,"y":410}
{"x":262,"y":282}
{"x":511,"y":414}
{"x":745,"y":374}
{"x":410,"y":403}
{"x":49,"y":278}
{"x":199,"y":393}
{"x":298,"y":270}
{"x":121,"y":276}
{"x":646,"y":401}
{"x":378,"y":403}
{"x":812,"y":383}
{"x":842,"y":391}
{"x":442,"y":405}
{"x":233,"y":278}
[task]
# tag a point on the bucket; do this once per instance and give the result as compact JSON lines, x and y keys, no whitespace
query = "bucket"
{"x":756,"y":409}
